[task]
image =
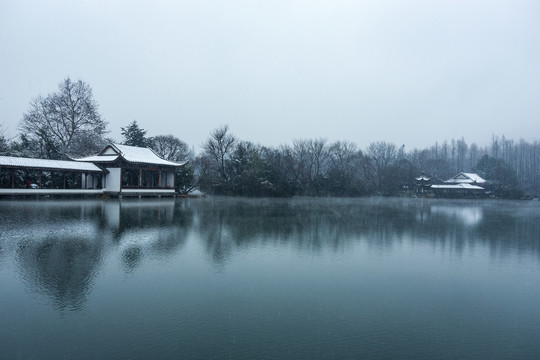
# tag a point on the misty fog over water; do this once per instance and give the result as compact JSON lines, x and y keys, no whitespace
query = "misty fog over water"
{"x":270,"y":278}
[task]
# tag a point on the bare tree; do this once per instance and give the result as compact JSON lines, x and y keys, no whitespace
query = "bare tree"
{"x":218,"y":147}
{"x":382,"y":154}
{"x":66,"y":116}
{"x":462,"y":149}
{"x":473,"y":156}
{"x":343,"y":156}
{"x":346,"y":170}
{"x":318,"y":157}
{"x":171,"y":148}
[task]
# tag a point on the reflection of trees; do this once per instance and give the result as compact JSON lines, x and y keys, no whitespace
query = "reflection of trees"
{"x":131,"y":257}
{"x":518,"y":229}
{"x":310,"y":225}
{"x":138,"y":243}
{"x":321,"y":224}
{"x":55,"y":246}
{"x":503,"y":226}
{"x":61,"y":267}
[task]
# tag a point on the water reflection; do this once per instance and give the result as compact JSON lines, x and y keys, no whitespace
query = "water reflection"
{"x":131,"y":257}
{"x":60,"y":246}
{"x":61,"y":267}
{"x":469,"y":216}
{"x":334,"y":225}
{"x":126,"y":214}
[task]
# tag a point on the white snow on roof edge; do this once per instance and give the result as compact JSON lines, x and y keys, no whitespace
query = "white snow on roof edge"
{"x":48,"y":164}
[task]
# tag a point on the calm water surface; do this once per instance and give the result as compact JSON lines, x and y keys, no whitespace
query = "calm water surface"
{"x":222,"y":278}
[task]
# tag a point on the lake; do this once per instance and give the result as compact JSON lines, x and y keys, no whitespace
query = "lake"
{"x":230,"y":278}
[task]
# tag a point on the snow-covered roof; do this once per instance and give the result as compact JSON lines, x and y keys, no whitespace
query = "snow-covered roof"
{"x":457,"y":187}
{"x":131,"y":154}
{"x":466,"y":178}
{"x":143,"y":155}
{"x":45,"y":164}
{"x":423,"y":178}
{"x":98,"y":158}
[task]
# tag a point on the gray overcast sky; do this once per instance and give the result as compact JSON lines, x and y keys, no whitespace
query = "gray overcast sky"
{"x":409,"y":72}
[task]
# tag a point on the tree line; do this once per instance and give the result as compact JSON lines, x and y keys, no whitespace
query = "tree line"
{"x":67,"y":123}
{"x":317,"y":167}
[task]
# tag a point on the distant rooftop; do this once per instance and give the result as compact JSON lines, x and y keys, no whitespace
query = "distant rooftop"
{"x":466,"y":178}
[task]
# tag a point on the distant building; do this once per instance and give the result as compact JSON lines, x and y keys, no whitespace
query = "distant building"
{"x":463,"y":185}
{"x":423,"y":185}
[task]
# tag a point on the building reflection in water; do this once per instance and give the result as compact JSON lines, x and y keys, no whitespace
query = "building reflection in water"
{"x":59,"y":247}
